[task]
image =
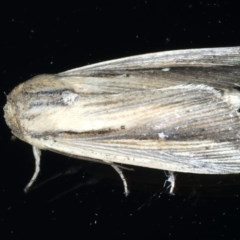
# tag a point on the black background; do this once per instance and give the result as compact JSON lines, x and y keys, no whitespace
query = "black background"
{"x":81,"y":200}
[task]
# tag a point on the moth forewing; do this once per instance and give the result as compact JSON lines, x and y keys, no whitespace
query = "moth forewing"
{"x":178,"y":136}
{"x":176,"y":111}
{"x":204,"y":57}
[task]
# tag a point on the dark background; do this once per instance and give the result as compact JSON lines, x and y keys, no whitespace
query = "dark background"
{"x":81,"y":200}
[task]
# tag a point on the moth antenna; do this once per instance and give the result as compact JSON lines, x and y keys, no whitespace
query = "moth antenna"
{"x":170,"y":182}
{"x":124,"y":181}
{"x":37,"y":157}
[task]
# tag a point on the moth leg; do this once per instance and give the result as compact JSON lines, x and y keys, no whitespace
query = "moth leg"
{"x":124,"y":181}
{"x":126,"y":168}
{"x":170,"y":181}
{"x":37,"y":157}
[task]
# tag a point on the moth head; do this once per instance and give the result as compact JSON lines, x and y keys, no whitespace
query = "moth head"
{"x":11,"y":111}
{"x":17,"y":106}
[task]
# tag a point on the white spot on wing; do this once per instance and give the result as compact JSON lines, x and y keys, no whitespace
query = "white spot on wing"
{"x":165,"y":69}
{"x":69,"y":97}
{"x":162,"y":135}
{"x":232,"y":97}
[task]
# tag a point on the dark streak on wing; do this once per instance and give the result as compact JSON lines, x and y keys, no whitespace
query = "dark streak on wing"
{"x":103,"y":134}
{"x":46,"y":98}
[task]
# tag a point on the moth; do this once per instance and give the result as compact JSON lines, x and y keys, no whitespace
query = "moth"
{"x":175,"y":110}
